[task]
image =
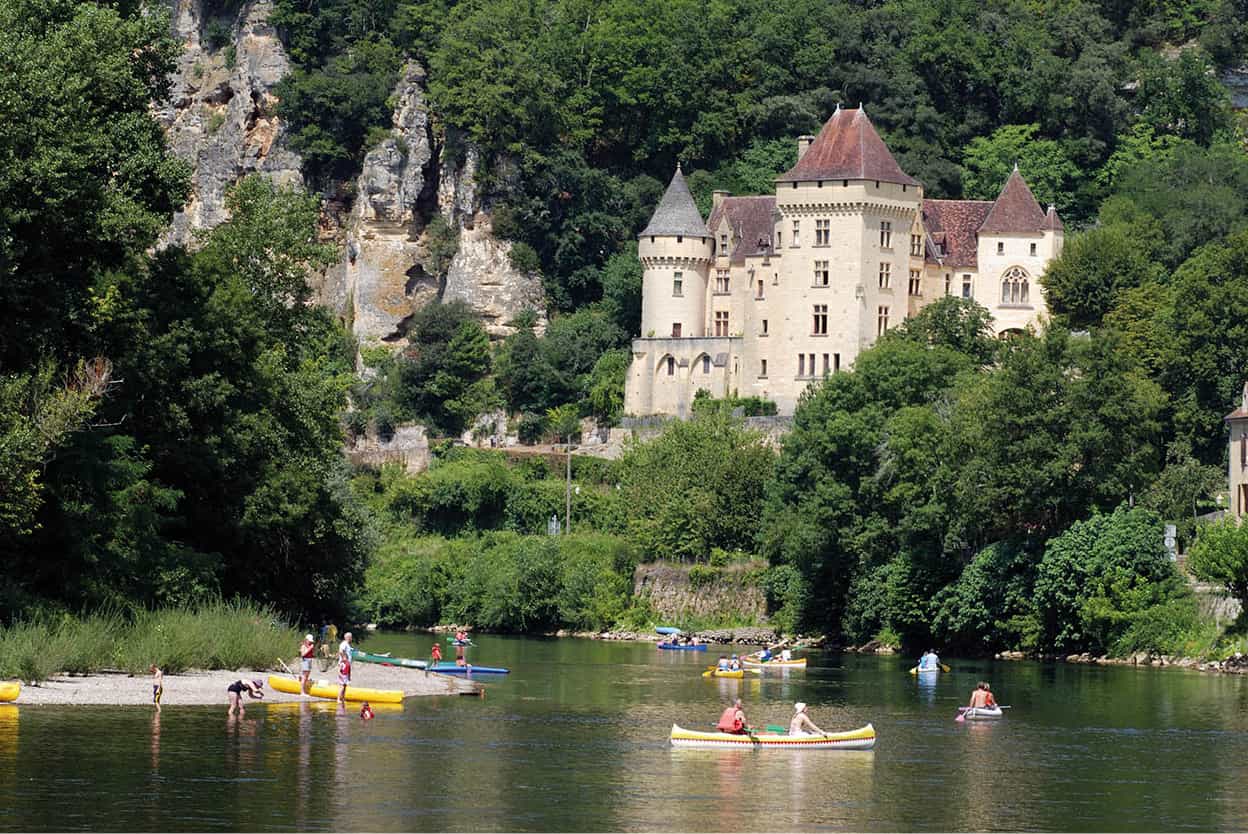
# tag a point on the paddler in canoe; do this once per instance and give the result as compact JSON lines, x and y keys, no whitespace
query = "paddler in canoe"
{"x":801,"y":723}
{"x":981,"y":697}
{"x":732,"y":720}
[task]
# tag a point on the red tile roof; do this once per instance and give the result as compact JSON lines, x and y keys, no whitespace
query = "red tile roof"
{"x":848,"y":148}
{"x":955,"y":224}
{"x":1015,"y":210}
{"x":1052,"y":222}
{"x":750,"y":219}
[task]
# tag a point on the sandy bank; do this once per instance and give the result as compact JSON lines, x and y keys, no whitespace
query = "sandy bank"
{"x":198,"y":687}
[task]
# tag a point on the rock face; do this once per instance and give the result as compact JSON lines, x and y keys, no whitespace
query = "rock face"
{"x":220,"y":114}
{"x":381,"y":279}
{"x":221,"y":118}
{"x":387,"y":271}
{"x":482,"y":276}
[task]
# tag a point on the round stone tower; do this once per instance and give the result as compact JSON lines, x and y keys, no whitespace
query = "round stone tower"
{"x":675,"y":250}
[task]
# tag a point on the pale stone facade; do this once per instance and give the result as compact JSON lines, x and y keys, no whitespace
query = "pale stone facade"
{"x":773,"y":292}
{"x":1237,"y":421}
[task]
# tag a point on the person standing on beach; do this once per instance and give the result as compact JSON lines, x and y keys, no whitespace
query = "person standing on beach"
{"x":158,"y":684}
{"x":344,"y":667}
{"x":307,"y":650}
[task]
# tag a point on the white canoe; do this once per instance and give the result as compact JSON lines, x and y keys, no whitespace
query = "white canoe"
{"x":984,"y":712}
{"x":861,"y":739}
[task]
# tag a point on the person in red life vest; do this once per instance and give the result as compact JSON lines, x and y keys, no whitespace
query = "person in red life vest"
{"x":733,"y":720}
{"x":366,"y":712}
{"x":989,"y":701}
{"x":437,"y":653}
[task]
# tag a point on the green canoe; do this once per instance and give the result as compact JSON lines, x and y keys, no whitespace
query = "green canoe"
{"x":387,"y":660}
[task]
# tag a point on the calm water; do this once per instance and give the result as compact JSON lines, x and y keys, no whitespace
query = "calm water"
{"x":576,"y":739}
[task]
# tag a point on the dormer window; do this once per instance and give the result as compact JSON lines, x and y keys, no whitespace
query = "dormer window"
{"x":723,"y":244}
{"x":1000,"y":247}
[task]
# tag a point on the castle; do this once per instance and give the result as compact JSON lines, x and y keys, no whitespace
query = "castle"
{"x":773,"y":292}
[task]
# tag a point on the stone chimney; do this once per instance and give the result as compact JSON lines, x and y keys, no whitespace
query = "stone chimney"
{"x":717,"y":199}
{"x":803,"y":144}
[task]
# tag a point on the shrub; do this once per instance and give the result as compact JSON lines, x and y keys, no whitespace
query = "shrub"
{"x":532,"y":428}
{"x":703,"y":575}
{"x":1220,"y":554}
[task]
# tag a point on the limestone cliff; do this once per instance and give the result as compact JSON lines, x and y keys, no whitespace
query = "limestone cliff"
{"x":390,"y":268}
{"x":221,"y":118}
{"x":220,"y":115}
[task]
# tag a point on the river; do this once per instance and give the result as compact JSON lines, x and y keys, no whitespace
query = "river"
{"x":575,"y":739}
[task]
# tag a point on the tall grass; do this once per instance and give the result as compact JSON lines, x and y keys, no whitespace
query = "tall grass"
{"x":218,"y":634}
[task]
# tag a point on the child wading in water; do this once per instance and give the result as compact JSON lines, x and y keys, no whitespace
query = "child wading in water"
{"x":366,"y":712}
{"x":158,"y":684}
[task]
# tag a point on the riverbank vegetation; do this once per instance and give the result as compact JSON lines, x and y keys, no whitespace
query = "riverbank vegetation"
{"x":172,"y":419}
{"x":214,"y":634}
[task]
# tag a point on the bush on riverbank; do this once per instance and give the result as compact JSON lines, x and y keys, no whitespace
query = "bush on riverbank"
{"x":500,"y":581}
{"x":215,"y":635}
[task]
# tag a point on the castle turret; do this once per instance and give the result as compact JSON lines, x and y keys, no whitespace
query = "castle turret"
{"x":675,"y":251}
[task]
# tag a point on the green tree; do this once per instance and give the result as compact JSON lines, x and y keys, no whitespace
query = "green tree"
{"x":448,"y":353}
{"x":956,"y":323}
{"x":1086,"y":282}
{"x":1044,"y":165}
{"x":606,"y":386}
{"x":1220,"y":554}
{"x":697,"y":486}
{"x":86,"y":182}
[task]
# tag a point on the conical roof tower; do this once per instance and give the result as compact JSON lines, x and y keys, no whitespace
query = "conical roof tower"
{"x":677,"y":214}
{"x":848,"y":148}
{"x":1015,"y":210}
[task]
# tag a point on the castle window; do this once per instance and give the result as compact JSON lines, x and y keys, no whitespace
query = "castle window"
{"x":821,"y":273}
{"x":916,"y":245}
{"x":966,"y":285}
{"x":823,"y":232}
{"x":721,"y":281}
{"x":1015,"y":287}
{"x":762,"y":367}
{"x":886,"y":234}
{"x":671,"y":366}
{"x":678,"y":284}
{"x":764,"y":333}
{"x":723,"y":244}
{"x":820,"y":184}
{"x":1033,"y":250}
{"x":779,"y":238}
{"x":881,"y":322}
{"x":706,"y":364}
{"x":721,"y":323}
{"x":948,"y":280}
{"x":675,"y":330}
{"x":1000,"y":247}
{"x":886,"y":275}
{"x":760,"y":290}
{"x":820,"y":322}
{"x":827,"y":364}
{"x":916,"y":282}
{"x":801,"y":364}
{"x":680,"y":238}
{"x":797,"y":233}
{"x":836,"y":362}
{"x":844,"y":183}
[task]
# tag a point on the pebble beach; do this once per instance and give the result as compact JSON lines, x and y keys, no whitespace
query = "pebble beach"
{"x":197,"y":688}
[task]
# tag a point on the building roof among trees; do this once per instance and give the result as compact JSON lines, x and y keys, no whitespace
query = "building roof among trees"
{"x":676,"y":213}
{"x":953,"y":225}
{"x":848,"y":148}
{"x":750,"y":219}
{"x":1015,"y":210}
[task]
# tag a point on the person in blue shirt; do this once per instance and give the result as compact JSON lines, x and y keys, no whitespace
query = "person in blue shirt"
{"x":929,"y":662}
{"x":764,"y":655}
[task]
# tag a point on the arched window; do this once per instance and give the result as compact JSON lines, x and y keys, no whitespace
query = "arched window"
{"x":1015,"y":286}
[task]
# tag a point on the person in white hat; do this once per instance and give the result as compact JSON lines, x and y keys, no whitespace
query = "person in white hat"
{"x":801,"y":723}
{"x":307,"y":650}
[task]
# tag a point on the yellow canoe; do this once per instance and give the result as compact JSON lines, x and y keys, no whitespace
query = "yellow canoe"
{"x":861,"y":739}
{"x":9,"y":690}
{"x":776,"y":663}
{"x":720,"y":673}
{"x":294,"y":707}
{"x":354,"y":693}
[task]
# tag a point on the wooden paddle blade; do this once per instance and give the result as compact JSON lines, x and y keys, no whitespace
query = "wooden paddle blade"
{"x":944,"y":668}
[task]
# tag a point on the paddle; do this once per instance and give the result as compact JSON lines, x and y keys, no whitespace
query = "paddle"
{"x":287,"y":668}
{"x":962,"y":713}
{"x":944,"y":668}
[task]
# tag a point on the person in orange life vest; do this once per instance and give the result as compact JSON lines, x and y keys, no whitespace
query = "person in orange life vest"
{"x":733,"y":720}
{"x":436,"y":653}
{"x":989,"y":701}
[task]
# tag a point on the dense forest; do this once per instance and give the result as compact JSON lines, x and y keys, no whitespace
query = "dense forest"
{"x":171,"y":421}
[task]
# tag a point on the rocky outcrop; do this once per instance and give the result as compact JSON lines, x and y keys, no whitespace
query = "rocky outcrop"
{"x":389,"y":270}
{"x":381,"y":279}
{"x":408,"y":447}
{"x":481,"y":275}
{"x":220,"y":116}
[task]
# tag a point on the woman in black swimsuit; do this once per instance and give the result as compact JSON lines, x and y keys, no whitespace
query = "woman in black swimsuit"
{"x":236,"y":690}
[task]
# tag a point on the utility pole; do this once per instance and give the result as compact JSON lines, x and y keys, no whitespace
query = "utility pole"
{"x":567,"y":496}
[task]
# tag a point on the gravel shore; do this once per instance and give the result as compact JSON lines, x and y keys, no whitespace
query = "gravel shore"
{"x":200,"y":688}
